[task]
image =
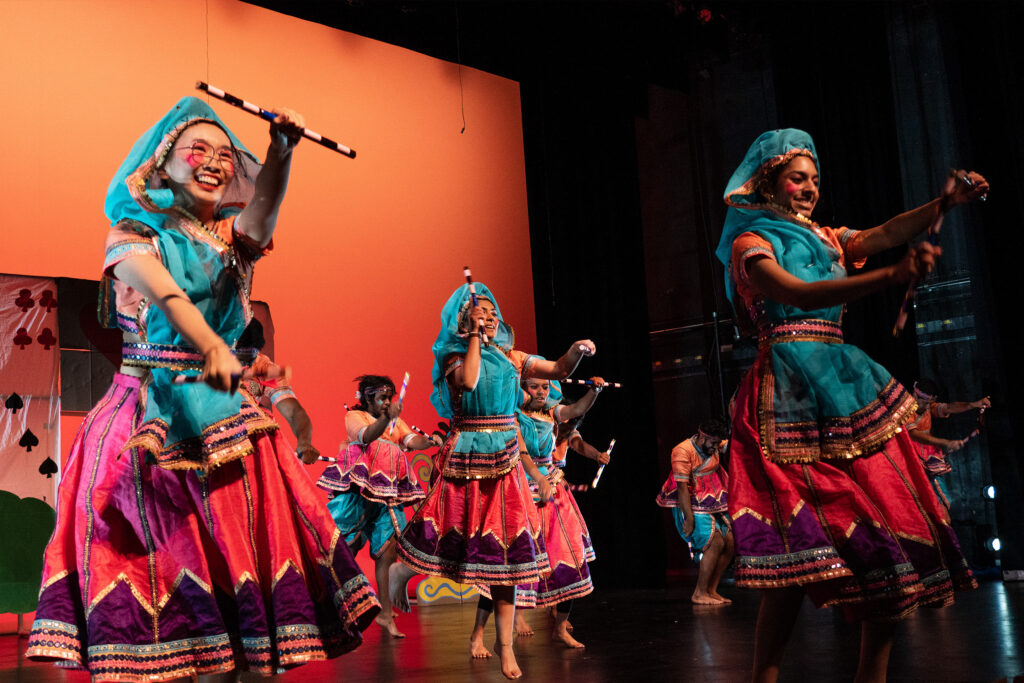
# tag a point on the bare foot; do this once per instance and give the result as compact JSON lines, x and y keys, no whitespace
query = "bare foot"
{"x":398,"y":581}
{"x":705,"y":599}
{"x":509,"y":666}
{"x":477,"y":650}
{"x":521,"y":627}
{"x":561,"y":634}
{"x":724,"y":599}
{"x":389,"y":626}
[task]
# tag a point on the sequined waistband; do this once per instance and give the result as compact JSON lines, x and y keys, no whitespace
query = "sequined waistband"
{"x":801,"y":330}
{"x":484,"y":423}
{"x":145,"y":355}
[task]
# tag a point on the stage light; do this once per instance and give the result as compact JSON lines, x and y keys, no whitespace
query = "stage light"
{"x":988,"y":492}
{"x":993,"y":544}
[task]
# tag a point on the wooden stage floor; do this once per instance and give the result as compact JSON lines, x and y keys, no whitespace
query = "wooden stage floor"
{"x":654,"y":635}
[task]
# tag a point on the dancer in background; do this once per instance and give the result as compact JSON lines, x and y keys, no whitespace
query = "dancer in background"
{"x":697,"y":494}
{"x":931,"y":448}
{"x":189,"y":540}
{"x":371,"y":482}
{"x":481,"y":494}
{"x":566,"y":537}
{"x":826,"y":492}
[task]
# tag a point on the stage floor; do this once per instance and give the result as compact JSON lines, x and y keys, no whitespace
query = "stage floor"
{"x":653,"y":634}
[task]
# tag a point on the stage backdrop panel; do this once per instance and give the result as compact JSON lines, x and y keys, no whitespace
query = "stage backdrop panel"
{"x":367,"y":250}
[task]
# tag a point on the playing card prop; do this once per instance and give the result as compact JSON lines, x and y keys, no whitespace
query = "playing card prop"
{"x":29,"y":393}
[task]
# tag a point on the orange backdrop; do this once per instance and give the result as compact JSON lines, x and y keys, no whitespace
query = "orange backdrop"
{"x":367,"y":250}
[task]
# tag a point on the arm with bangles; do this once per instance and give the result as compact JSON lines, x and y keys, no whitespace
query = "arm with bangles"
{"x":145,"y":274}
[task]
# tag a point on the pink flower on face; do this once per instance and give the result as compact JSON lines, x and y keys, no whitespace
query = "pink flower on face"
{"x":705,"y":15}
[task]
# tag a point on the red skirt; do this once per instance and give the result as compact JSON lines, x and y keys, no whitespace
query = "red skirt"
{"x":484,"y":531}
{"x":153,"y":574}
{"x":866,"y":533}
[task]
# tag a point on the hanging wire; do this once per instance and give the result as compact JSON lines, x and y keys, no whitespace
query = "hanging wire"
{"x":458,"y":58}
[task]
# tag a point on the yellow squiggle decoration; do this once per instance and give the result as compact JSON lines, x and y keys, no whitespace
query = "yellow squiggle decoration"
{"x":434,"y":589}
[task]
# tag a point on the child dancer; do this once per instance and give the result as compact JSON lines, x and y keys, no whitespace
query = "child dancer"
{"x":481,"y":493}
{"x":189,"y":540}
{"x":696,"y":492}
{"x":371,"y":482}
{"x":826,"y":492}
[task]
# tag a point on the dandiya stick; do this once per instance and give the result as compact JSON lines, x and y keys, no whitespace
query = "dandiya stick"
{"x":472,"y":296}
{"x":945,"y":202}
{"x":401,"y":397}
{"x":257,"y":110}
{"x":590,"y":383}
{"x":600,"y":468}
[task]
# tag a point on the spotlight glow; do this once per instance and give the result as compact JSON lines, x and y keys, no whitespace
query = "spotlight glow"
{"x":993,"y":544}
{"x":988,"y":492}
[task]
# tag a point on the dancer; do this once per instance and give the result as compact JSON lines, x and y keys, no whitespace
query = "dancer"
{"x":371,"y":482}
{"x":189,"y":541}
{"x":931,"y":448}
{"x":481,"y":493}
{"x":696,"y":492}
{"x":566,"y":537}
{"x":826,"y":492}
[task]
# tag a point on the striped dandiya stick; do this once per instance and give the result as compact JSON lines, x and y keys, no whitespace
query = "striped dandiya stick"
{"x":590,"y":383}
{"x":257,"y":110}
{"x":401,"y":397}
{"x":600,"y":468}
{"x":472,"y":296}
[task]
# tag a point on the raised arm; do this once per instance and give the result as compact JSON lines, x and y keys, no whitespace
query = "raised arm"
{"x":259,"y":218}
{"x":563,"y":367}
{"x":908,"y":225}
{"x":580,"y":407}
{"x":145,"y":274}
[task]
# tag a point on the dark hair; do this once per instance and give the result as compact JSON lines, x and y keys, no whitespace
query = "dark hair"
{"x":368,"y":382}
{"x":927,"y":386}
{"x":252,"y":336}
{"x":714,"y":428}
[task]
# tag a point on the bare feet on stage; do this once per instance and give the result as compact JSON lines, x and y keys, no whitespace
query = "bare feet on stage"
{"x":561,"y":634}
{"x":389,"y":626}
{"x":722,"y":598}
{"x":521,"y":627}
{"x":398,"y":581}
{"x":477,"y":649}
{"x":509,"y":666}
{"x":554,"y":618}
{"x":708,"y":599}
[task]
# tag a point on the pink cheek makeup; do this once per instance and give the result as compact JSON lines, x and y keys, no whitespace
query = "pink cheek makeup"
{"x":791,"y":189}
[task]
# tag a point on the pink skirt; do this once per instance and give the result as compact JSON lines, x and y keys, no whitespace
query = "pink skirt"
{"x":153,"y":574}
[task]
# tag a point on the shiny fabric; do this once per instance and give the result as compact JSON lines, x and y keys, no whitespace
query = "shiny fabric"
{"x":705,"y":526}
{"x":707,"y":481}
{"x":153,"y":574}
{"x":484,"y":529}
{"x":851,"y":516}
{"x":363,"y":521}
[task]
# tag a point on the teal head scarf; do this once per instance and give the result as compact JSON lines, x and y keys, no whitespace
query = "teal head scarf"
{"x":135,"y":193}
{"x":454,"y":338}
{"x":749,"y":211}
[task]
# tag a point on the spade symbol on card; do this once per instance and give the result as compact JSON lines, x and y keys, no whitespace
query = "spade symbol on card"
{"x":49,"y":468}
{"x":28,"y":440}
{"x":46,"y":338}
{"x":21,"y":339}
{"x":48,"y":300}
{"x":14,"y":403}
{"x":24,"y":300}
